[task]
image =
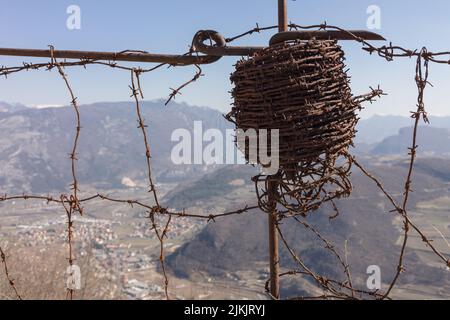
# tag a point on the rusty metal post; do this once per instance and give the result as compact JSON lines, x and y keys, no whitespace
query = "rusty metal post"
{"x":272,"y":190}
{"x":282,"y":16}
{"x":273,"y":240}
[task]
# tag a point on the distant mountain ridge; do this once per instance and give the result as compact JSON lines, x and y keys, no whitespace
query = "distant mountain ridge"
{"x":430,"y":141}
{"x":36,"y":142}
{"x":237,"y":243}
{"x":6,"y":107}
{"x":34,"y":151}
{"x":377,"y":128}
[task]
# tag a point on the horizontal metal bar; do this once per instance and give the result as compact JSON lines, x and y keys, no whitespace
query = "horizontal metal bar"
{"x":213,"y":52}
{"x":220,"y":48}
{"x":111,"y":56}
{"x":229,"y":51}
{"x":324,"y":35}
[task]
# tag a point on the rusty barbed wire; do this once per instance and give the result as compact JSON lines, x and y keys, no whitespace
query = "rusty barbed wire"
{"x":421,"y":78}
{"x":337,"y":289}
{"x":333,"y":289}
{"x":136,"y":93}
{"x":177,"y":91}
{"x":301,"y":89}
{"x":10,"y":280}
{"x":74,"y":203}
{"x":421,"y":81}
{"x":70,"y":230}
{"x":399,"y":209}
{"x":329,"y":246}
{"x":389,"y":53}
{"x":131,"y":202}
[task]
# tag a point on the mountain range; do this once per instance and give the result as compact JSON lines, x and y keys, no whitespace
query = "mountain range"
{"x":379,"y":127}
{"x":7,"y":107}
{"x":366,"y":229}
{"x":36,"y":143}
{"x":34,"y":157}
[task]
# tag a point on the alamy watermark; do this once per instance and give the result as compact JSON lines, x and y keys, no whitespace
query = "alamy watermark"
{"x":374,"y":19}
{"x":374,"y":279}
{"x":214,"y":146}
{"x":73,"y":21}
{"x":73,"y":280}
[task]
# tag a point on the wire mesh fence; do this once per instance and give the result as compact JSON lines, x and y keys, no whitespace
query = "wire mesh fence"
{"x":161,"y":217}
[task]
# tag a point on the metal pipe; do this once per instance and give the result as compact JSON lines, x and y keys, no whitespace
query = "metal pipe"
{"x":325,"y":35}
{"x":111,"y":56}
{"x":274,"y":259}
{"x":282,"y":16}
{"x":273,"y":241}
{"x":212,"y":52}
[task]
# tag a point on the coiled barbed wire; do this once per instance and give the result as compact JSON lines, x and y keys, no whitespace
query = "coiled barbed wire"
{"x":302,"y":90}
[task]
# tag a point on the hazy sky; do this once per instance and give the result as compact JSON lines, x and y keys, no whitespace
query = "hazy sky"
{"x":168,"y":27}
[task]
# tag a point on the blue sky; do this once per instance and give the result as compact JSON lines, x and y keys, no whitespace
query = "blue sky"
{"x":168,"y":27}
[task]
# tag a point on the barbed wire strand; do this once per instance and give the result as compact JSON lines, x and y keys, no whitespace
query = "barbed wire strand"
{"x":389,"y":53}
{"x":329,"y":246}
{"x":11,"y":281}
{"x":399,"y":209}
{"x":74,"y":204}
{"x":136,"y":93}
{"x":421,"y":81}
{"x":328,"y":285}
